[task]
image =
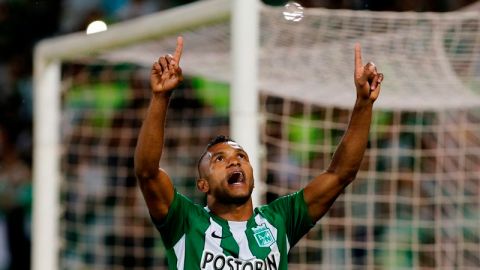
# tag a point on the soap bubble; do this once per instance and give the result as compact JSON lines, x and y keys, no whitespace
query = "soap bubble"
{"x":293,"y":12}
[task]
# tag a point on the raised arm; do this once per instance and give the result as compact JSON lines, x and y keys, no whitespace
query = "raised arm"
{"x":154,"y":182}
{"x":322,"y":191}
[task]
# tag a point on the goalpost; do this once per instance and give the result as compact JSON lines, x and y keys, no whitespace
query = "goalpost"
{"x":414,"y":203}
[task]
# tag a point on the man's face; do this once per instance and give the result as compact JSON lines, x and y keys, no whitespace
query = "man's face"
{"x":228,"y":173}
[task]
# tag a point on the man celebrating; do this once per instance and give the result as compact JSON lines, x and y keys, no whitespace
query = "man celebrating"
{"x":228,"y":233}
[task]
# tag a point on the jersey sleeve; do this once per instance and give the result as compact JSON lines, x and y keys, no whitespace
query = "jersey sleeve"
{"x":293,"y":210}
{"x":176,"y":221}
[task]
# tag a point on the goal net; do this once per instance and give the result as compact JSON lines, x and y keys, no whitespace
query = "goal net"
{"x":414,"y":204}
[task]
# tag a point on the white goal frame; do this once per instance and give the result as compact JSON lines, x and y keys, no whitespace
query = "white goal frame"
{"x":50,"y":53}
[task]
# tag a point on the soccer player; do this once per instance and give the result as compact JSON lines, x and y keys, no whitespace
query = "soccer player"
{"x":228,"y":233}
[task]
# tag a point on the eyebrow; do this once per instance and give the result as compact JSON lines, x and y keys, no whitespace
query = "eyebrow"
{"x":216,"y":154}
{"x":242,"y":151}
{"x":239,"y":150}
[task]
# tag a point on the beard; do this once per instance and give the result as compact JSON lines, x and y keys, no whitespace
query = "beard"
{"x":226,"y":197}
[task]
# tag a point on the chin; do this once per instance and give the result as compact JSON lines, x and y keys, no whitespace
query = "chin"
{"x":233,"y":196}
{"x":240,"y":199}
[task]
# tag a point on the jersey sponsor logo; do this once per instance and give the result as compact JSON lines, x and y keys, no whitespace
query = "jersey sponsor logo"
{"x":263,"y":236}
{"x":213,"y":261}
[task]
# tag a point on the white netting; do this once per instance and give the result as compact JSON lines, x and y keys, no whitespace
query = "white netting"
{"x":423,"y":55}
{"x":415,"y":202}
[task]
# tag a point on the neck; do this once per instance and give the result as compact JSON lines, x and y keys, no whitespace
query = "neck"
{"x":232,"y":212}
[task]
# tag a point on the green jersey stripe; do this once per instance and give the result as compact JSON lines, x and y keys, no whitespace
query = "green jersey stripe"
{"x":256,"y":239}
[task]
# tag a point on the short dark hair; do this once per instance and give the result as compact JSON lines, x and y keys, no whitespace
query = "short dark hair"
{"x":218,"y":139}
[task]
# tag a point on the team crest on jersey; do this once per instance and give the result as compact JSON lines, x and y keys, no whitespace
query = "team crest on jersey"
{"x":263,"y":236}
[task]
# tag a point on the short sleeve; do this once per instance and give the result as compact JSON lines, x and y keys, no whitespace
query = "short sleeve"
{"x":294,"y":212}
{"x":176,"y":221}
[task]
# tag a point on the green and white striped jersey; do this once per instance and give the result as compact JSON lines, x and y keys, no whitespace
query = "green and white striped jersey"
{"x":195,"y":238}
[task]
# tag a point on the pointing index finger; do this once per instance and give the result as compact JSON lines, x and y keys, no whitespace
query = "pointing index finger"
{"x":178,"y":50}
{"x":358,"y":56}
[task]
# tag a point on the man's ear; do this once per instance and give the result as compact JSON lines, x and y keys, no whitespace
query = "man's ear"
{"x":202,"y":185}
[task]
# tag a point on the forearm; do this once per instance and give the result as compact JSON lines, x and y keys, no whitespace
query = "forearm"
{"x":348,"y":156}
{"x":151,"y":138}
{"x":322,"y":191}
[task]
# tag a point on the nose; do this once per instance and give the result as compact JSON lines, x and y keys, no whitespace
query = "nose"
{"x":233,"y":161}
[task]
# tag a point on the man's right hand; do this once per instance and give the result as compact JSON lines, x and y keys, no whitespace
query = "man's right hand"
{"x":367,"y":79}
{"x":166,"y":73}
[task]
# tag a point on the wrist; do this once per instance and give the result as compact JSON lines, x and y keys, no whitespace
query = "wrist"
{"x":363,"y":102}
{"x":161,"y":98}
{"x":162,"y":94}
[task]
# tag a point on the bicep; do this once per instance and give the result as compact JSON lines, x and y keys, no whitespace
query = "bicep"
{"x":320,"y":194}
{"x":158,"y":193}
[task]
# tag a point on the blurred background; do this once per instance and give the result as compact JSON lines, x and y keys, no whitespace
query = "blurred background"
{"x":22,"y":24}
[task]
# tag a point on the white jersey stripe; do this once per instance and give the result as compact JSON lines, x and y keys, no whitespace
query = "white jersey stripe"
{"x":179,"y":250}
{"x":288,"y":244}
{"x":211,"y":243}
{"x":238,"y":231}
